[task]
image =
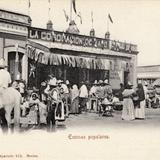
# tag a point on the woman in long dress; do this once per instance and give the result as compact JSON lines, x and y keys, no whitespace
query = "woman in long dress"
{"x":128,"y":106}
{"x":140,"y":110}
{"x":74,"y":100}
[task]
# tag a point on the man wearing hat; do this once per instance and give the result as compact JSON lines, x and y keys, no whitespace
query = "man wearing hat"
{"x":53,"y":96}
{"x":128,"y":106}
{"x":145,"y":85}
{"x":100,"y":93}
{"x":66,"y":96}
{"x":93,"y":89}
{"x":92,"y":94}
{"x":100,"y":90}
{"x":107,"y":88}
{"x":5,"y":78}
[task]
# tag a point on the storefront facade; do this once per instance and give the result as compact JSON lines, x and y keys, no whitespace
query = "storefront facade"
{"x":81,"y":58}
{"x":13,"y":38}
{"x":34,"y":53}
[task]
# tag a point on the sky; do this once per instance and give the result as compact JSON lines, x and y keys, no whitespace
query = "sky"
{"x":134,"y":21}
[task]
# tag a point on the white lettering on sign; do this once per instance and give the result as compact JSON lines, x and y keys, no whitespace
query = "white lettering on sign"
{"x":46,"y":36}
{"x":33,"y":35}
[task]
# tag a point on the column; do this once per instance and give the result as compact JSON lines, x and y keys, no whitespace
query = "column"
{"x":65,"y":74}
{"x":133,"y":70}
{"x":25,"y":68}
{"x":16,"y":65}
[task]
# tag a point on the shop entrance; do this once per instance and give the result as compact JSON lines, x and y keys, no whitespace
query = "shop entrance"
{"x":72,"y":74}
{"x":98,"y":75}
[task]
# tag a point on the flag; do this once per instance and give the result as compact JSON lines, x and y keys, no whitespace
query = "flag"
{"x":29,"y":3}
{"x":92,"y":17}
{"x":74,"y":5}
{"x":109,"y":16}
{"x":49,"y":5}
{"x":66,"y":16}
{"x":79,"y":15}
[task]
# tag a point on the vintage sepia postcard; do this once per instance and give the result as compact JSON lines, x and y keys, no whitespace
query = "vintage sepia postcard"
{"x":79,"y":79}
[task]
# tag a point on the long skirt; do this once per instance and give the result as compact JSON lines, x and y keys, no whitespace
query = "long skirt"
{"x":128,"y":109}
{"x":140,"y":112}
{"x":75,"y":106}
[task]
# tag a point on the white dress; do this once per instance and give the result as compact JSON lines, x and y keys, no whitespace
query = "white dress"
{"x":140,"y":112}
{"x":128,"y":106}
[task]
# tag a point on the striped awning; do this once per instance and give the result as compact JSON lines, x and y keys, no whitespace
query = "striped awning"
{"x":44,"y":56}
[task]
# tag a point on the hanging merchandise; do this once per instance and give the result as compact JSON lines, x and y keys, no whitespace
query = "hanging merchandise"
{"x":32,"y":71}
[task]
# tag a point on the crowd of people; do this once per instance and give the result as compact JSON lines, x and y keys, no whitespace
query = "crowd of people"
{"x":57,"y":99}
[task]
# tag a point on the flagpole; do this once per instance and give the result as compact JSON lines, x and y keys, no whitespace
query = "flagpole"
{"x":29,"y":5}
{"x":70,"y":10}
{"x":49,"y":9}
{"x":92,"y":18}
{"x":107,"y":24}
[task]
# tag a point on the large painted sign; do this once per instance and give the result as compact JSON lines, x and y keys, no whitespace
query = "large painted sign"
{"x":81,"y":40}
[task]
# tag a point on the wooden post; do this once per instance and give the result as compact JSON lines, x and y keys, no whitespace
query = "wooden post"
{"x":16,"y":62}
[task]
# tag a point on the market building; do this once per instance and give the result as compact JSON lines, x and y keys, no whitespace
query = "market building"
{"x":148,"y":73}
{"x":34,"y":53}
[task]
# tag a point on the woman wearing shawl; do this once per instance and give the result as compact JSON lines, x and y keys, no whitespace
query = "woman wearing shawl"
{"x":140,"y":109}
{"x":74,"y":99}
{"x":128,"y":106}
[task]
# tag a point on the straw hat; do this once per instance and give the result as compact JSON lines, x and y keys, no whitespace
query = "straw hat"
{"x":67,"y":82}
{"x":130,"y":84}
{"x":106,"y":81}
{"x":35,"y":89}
{"x":95,"y":82}
{"x":53,"y":82}
{"x":2,"y":63}
{"x":43,"y":84}
{"x":59,"y":81}
{"x":18,"y":78}
{"x":100,"y":82}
